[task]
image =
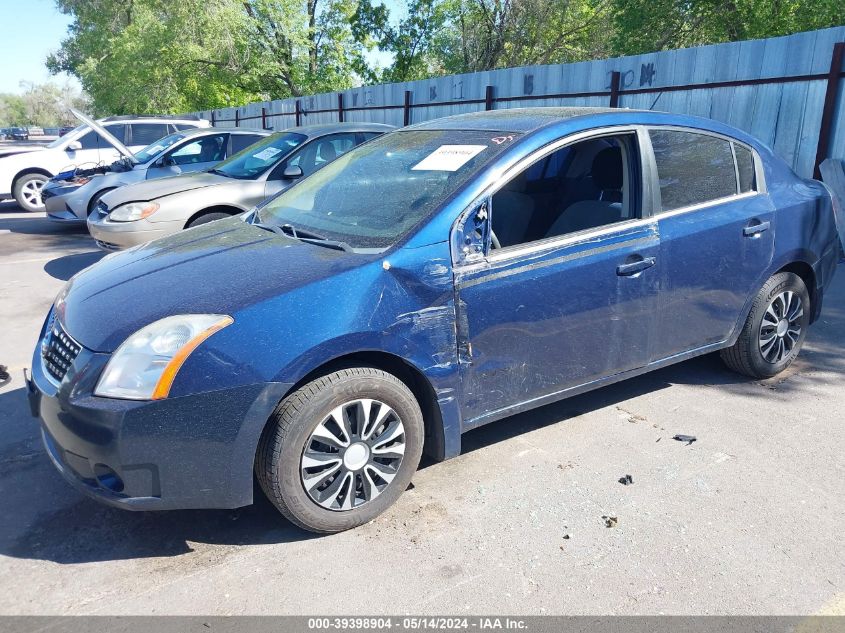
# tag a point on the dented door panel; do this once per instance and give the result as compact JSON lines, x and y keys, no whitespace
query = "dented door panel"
{"x":542,"y":322}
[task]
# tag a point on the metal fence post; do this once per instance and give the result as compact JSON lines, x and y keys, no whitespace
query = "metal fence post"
{"x":340,"y":106}
{"x":615,"y":78}
{"x":237,"y":117}
{"x":212,"y":118}
{"x":298,"y":113}
{"x":488,"y":98}
{"x":406,"y":112}
{"x":263,"y":118}
{"x":826,"y":129}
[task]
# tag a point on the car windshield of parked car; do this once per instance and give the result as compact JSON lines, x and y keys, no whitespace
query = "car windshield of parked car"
{"x":258,"y":158}
{"x":62,"y":140}
{"x":154,"y":149}
{"x":375,"y":194}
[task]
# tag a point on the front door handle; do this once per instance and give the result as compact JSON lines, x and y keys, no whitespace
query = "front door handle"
{"x":626,"y":270}
{"x":755,"y":229}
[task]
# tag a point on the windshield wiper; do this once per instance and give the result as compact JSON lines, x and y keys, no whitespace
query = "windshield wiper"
{"x":303,"y":235}
{"x":218,"y":172}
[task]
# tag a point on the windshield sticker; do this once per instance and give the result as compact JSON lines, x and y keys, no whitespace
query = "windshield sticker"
{"x":267,"y":153}
{"x":449,"y":157}
{"x":155,"y":149}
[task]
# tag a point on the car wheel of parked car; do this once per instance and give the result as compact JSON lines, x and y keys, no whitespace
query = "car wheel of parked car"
{"x":341,"y":449}
{"x":27,"y":191}
{"x":95,"y":199}
{"x":774,"y":330}
{"x":208,"y":217}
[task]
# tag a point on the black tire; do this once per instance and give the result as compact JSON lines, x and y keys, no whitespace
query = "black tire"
{"x":206,"y":218}
{"x":95,"y":199}
{"x":22,"y":191}
{"x":746,"y":356}
{"x":288,"y":434}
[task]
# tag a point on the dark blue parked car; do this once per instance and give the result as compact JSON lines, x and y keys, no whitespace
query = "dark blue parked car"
{"x":433,"y":280}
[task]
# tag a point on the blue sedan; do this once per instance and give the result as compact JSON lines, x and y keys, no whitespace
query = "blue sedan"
{"x":435,"y":279}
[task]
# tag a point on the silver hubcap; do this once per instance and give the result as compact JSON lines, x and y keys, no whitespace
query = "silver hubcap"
{"x":31,"y":192}
{"x":353,"y":454}
{"x":781,"y":327}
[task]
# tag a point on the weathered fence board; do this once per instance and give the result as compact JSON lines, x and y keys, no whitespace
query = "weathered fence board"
{"x":775,"y":89}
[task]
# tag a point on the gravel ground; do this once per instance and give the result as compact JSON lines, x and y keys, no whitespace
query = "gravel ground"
{"x":744,"y":521}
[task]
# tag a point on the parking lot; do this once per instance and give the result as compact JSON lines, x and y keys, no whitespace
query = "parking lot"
{"x":746,"y":520}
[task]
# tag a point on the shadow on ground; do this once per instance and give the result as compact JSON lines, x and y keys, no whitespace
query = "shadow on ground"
{"x":66,"y":267}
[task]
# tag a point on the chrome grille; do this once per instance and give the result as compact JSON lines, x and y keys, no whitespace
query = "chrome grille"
{"x":58,"y":350}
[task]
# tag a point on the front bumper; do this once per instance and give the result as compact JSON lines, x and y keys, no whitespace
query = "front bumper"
{"x":62,"y":205}
{"x":115,"y":236}
{"x":193,"y":451}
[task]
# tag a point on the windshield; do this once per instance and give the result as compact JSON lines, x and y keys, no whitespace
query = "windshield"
{"x":67,"y":137}
{"x":257,"y":158}
{"x":376,"y":193}
{"x":154,"y":149}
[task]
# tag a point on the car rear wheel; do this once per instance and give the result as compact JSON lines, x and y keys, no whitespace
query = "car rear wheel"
{"x":774,"y":330}
{"x":206,"y":218}
{"x":341,"y":449}
{"x":27,"y":191}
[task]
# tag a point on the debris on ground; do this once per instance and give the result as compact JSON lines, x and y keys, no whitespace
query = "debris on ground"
{"x":626,"y":480}
{"x":4,"y":373}
{"x":689,"y":439}
{"x":566,"y":537}
{"x":610,"y":521}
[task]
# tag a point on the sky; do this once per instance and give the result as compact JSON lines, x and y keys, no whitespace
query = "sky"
{"x":37,"y":29}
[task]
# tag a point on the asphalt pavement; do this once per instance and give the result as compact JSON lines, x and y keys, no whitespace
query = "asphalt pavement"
{"x":746,"y":520}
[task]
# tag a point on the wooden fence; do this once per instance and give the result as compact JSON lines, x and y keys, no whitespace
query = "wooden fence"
{"x":786,"y":91}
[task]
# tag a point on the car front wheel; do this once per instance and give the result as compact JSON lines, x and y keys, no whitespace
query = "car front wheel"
{"x":27,"y":191}
{"x":774,"y":330}
{"x":341,"y":449}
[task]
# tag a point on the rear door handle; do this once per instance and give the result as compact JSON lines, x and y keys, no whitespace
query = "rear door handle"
{"x":755,"y":229}
{"x":625,"y":270}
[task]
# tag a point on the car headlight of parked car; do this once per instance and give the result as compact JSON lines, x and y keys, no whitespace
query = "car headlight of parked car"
{"x":144,"y":366}
{"x":132,"y":211}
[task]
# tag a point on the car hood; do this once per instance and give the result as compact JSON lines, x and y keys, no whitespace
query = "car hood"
{"x":19,"y":149}
{"x":217,"y":268}
{"x":161,"y":187}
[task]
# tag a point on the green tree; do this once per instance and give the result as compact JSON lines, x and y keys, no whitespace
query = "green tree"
{"x":163,"y":56}
{"x":12,"y":110}
{"x":642,"y":26}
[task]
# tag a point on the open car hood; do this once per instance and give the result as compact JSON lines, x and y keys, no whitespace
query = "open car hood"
{"x":120,"y":147}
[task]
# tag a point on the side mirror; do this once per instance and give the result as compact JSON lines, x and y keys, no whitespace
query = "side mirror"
{"x":73,"y":146}
{"x":292,"y":172}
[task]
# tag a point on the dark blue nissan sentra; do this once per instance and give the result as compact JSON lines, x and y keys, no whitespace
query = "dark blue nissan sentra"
{"x":425,"y":283}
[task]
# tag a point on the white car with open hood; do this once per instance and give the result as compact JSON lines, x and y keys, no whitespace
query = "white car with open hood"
{"x":22,"y":174}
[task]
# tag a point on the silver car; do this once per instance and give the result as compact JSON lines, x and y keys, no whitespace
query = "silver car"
{"x":71,"y":198}
{"x":144,"y":211}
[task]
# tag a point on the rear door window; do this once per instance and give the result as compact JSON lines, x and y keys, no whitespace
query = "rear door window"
{"x":692,"y":168}
{"x":242,"y":141}
{"x":146,"y":133}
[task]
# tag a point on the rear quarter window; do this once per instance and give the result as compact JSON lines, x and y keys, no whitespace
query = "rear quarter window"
{"x":745,"y":168}
{"x":692,"y":168}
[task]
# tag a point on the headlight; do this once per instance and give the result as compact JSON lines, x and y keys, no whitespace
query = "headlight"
{"x":143,"y":368}
{"x":132,"y":211}
{"x":79,"y":181}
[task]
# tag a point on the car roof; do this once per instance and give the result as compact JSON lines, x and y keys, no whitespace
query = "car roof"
{"x":321,"y":129}
{"x":510,"y":120}
{"x":202,"y":131}
{"x":567,"y":120}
